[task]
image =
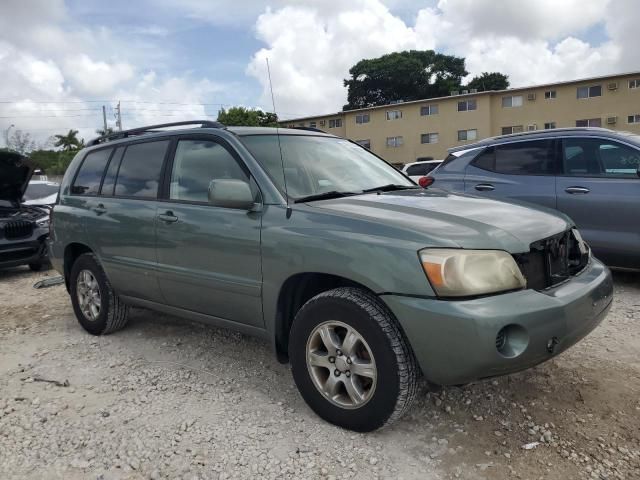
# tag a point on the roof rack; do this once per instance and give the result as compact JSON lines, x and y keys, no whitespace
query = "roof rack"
{"x":309,"y":129}
{"x":152,"y":129}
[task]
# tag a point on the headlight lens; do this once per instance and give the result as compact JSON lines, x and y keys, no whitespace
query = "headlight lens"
{"x":463,"y":273}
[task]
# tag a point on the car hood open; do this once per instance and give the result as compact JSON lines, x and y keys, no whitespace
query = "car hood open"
{"x":452,"y":220}
{"x":15,"y":173}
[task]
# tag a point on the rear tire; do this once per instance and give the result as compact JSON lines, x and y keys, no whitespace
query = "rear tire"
{"x":97,"y":307}
{"x":367,"y":377}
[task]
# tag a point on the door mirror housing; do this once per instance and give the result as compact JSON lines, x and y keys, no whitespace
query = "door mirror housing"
{"x":230,"y":193}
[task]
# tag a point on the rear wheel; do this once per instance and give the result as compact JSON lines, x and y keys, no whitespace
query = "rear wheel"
{"x":97,"y":307}
{"x":350,"y":360}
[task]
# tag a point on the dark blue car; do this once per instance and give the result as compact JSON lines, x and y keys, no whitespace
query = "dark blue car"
{"x":590,"y":174}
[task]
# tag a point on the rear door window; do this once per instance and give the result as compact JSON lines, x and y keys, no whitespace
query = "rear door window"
{"x":417,"y":170}
{"x":109,"y":181}
{"x":140,"y":170}
{"x":519,"y":158}
{"x":89,"y":175}
{"x":594,"y":157}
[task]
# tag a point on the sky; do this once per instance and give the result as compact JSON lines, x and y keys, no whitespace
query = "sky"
{"x":172,"y":60}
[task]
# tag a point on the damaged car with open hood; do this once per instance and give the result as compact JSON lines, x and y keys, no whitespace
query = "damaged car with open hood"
{"x":23,"y":228}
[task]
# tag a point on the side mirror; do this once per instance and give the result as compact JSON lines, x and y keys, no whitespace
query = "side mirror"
{"x":230,"y":193}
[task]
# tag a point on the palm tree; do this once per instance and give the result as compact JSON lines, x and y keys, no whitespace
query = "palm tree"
{"x":69,"y":141}
{"x":102,"y":132}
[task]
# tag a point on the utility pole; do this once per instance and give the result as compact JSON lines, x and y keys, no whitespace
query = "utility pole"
{"x":119,"y":115}
{"x":104,"y":119}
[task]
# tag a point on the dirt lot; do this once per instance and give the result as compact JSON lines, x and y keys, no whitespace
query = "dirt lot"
{"x":166,"y":398}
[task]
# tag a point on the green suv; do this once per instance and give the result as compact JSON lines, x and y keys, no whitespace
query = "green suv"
{"x":359,"y":278}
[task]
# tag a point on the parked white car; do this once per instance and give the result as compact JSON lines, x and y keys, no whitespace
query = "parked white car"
{"x":416,"y":170}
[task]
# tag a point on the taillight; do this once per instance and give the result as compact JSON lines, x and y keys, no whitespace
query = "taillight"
{"x":424,"y":182}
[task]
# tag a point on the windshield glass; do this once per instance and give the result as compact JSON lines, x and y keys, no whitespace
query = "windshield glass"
{"x":315,"y":165}
{"x":40,"y":190}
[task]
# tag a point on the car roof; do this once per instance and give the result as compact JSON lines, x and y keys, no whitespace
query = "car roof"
{"x":550,"y":133}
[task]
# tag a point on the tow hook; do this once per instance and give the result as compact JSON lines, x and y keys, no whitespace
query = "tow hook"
{"x":551,"y":344}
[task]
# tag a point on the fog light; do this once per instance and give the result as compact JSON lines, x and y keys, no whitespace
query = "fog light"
{"x":512,"y":340}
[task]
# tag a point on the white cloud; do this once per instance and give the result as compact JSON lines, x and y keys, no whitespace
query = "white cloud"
{"x":311,"y":46}
{"x":95,"y":78}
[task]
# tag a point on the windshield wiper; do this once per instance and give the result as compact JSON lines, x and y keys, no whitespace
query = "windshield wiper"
{"x":324,"y":196}
{"x":390,"y":188}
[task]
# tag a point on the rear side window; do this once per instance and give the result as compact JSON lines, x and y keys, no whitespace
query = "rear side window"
{"x":196,"y":163}
{"x":88,"y":179}
{"x":520,"y":158}
{"x":140,"y":169}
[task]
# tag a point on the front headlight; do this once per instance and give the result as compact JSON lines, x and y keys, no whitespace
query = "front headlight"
{"x":43,"y":222}
{"x":464,"y":273}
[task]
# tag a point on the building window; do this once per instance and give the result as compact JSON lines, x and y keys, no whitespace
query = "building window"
{"x":512,"y":129}
{"x":467,"y":105}
{"x":429,"y":138}
{"x":633,"y":118}
{"x":429,"y":110}
{"x":588,"y":92}
{"x":549,"y":125}
{"x":362,"y":118}
{"x":465,"y":135}
{"x":322,"y":123}
{"x":291,"y":125}
{"x":589,"y":122}
{"x":312,"y":124}
{"x":365,"y":143}
{"x":335,"y":123}
{"x":394,"y":114}
{"x":549,"y":94}
{"x":514,"y":101}
{"x":635,"y":83}
{"x":394,"y":141}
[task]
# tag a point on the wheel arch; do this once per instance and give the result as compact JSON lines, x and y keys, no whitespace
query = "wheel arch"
{"x":71,"y":253}
{"x":294,"y":293}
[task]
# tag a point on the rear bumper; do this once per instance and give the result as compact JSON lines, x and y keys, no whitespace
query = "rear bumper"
{"x":455,"y":341}
{"x":13,"y":254}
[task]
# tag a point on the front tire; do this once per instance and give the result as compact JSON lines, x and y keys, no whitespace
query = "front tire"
{"x":350,"y":360}
{"x":97,"y":307}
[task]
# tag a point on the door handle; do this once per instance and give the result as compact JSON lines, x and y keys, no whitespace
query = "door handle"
{"x":485,"y":187}
{"x":168,"y":217}
{"x":99,"y":209}
{"x":578,"y":190}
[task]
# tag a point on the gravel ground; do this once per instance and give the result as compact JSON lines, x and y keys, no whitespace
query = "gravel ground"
{"x":166,"y":398}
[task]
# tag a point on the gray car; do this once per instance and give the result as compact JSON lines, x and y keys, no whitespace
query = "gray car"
{"x":356,"y":276}
{"x":590,"y":174}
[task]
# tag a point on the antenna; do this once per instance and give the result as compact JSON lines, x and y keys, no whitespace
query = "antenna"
{"x":273,"y":102}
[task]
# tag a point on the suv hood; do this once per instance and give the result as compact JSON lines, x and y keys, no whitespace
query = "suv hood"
{"x":452,"y":220}
{"x":15,"y":172}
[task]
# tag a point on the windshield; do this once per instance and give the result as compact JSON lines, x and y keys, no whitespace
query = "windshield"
{"x":40,"y":190}
{"x":316,"y":165}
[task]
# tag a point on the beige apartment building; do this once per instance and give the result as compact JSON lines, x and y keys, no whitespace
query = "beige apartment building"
{"x":404,"y":132}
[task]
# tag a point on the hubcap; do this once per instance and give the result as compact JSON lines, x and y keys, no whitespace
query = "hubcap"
{"x":88,"y":292}
{"x":341,"y":364}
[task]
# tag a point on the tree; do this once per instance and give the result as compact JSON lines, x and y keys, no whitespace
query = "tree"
{"x":52,"y":162}
{"x":21,"y":142}
{"x":247,"y":117}
{"x":489,"y":81}
{"x":102,"y":132}
{"x":403,"y":76}
{"x":69,"y":141}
